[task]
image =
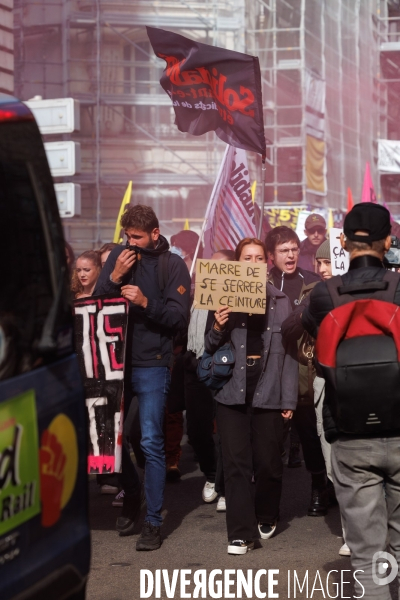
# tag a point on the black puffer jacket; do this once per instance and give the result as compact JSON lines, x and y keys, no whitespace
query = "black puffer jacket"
{"x":362,"y":270}
{"x":151,"y":329}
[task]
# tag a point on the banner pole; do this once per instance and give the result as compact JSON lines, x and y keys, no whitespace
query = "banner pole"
{"x":208,"y":209}
{"x":263,"y":172}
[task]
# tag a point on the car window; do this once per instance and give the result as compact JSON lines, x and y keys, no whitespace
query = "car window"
{"x":27,"y":273}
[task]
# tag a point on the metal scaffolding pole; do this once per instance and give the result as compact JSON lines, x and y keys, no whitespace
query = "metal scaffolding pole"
{"x":98,"y":121}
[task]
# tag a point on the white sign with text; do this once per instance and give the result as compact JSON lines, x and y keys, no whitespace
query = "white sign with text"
{"x":339,"y":257}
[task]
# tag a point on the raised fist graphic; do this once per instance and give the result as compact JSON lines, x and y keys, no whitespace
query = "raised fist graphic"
{"x":52,"y":465}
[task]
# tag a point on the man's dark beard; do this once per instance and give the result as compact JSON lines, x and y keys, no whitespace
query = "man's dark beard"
{"x":152,"y":245}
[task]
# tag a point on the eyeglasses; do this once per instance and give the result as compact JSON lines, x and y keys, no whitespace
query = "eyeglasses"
{"x":286,"y":252}
{"x":319,"y":230}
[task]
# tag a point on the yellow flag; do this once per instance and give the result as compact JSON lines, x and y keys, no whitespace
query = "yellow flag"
{"x":186,"y":226}
{"x":125,"y":200}
{"x":253,"y":190}
{"x":331,"y":222}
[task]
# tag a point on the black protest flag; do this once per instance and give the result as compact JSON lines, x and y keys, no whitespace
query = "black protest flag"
{"x":212,"y":89}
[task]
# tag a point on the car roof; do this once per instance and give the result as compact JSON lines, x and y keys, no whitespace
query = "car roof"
{"x":7,"y":98}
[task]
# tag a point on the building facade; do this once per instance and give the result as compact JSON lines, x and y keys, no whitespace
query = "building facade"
{"x":6,"y":47}
{"x":322,"y":109}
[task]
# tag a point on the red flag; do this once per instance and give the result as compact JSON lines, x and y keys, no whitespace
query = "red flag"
{"x":350,"y":202}
{"x":368,"y":192}
{"x":212,"y":89}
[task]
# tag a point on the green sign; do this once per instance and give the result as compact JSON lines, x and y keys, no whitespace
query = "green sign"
{"x":19,"y":461}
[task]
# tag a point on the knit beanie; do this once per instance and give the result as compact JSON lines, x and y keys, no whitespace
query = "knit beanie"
{"x":324,"y":251}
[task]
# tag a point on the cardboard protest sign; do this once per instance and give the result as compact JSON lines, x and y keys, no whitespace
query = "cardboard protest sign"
{"x":100,"y":333}
{"x":239,"y":285}
{"x":339,"y":258}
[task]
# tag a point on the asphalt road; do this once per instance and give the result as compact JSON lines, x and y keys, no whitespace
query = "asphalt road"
{"x":195,"y":538}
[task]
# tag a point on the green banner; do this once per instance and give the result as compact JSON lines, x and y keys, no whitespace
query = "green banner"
{"x":19,"y":461}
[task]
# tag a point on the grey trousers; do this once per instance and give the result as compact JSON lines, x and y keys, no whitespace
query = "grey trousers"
{"x":319,"y":396}
{"x":371,"y":511}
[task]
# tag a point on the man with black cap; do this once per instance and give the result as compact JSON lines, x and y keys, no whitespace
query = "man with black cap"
{"x":363,"y":463}
{"x":315,"y":230}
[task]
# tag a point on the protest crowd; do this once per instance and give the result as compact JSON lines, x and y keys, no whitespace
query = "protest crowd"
{"x":268,"y":341}
{"x":299,"y":378}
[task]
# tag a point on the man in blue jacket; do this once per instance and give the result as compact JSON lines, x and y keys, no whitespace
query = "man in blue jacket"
{"x":157,"y":285}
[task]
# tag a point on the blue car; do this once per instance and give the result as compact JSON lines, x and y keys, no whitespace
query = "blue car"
{"x":44,"y":530}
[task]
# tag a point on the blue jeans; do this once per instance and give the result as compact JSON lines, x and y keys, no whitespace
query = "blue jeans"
{"x":151,"y":385}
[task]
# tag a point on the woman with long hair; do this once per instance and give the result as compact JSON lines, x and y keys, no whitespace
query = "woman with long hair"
{"x":86,"y":273}
{"x":105,"y":252}
{"x":251,"y":407}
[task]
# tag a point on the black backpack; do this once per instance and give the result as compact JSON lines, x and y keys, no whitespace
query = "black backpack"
{"x":358,"y":351}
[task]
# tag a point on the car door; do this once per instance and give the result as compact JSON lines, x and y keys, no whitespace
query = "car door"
{"x":44,"y":533}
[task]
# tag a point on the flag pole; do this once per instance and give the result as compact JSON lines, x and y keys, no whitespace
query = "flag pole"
{"x":208,"y":209}
{"x":263,"y":172}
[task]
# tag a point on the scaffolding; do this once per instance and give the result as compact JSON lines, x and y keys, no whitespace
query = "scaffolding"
{"x":388,"y":90}
{"x":97,"y":51}
{"x":333,"y":42}
{"x":6,"y":47}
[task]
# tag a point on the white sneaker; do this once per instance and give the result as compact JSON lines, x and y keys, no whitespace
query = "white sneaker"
{"x":345,"y":550}
{"x":221,"y":505}
{"x":108,"y":489}
{"x":240,"y":547}
{"x":209,"y":494}
{"x":266,"y":530}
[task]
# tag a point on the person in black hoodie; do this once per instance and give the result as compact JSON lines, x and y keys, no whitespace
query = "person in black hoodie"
{"x":283,"y":247}
{"x":138,"y":272}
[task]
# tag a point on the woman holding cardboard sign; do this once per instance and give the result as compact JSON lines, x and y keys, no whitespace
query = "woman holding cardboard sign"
{"x":250,"y":407}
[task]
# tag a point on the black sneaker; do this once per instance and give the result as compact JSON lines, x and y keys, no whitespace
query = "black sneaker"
{"x":319,"y":503}
{"x":173,"y":473}
{"x":267,"y":530}
{"x":240,"y":547}
{"x":150,"y":538}
{"x":129,"y":514}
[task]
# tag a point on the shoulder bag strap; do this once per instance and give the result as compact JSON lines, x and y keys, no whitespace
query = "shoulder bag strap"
{"x":333,"y":286}
{"x":163,"y":263}
{"x":393,"y":280}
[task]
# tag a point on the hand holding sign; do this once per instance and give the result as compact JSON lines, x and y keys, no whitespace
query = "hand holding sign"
{"x":134,"y":294}
{"x":221,"y":318}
